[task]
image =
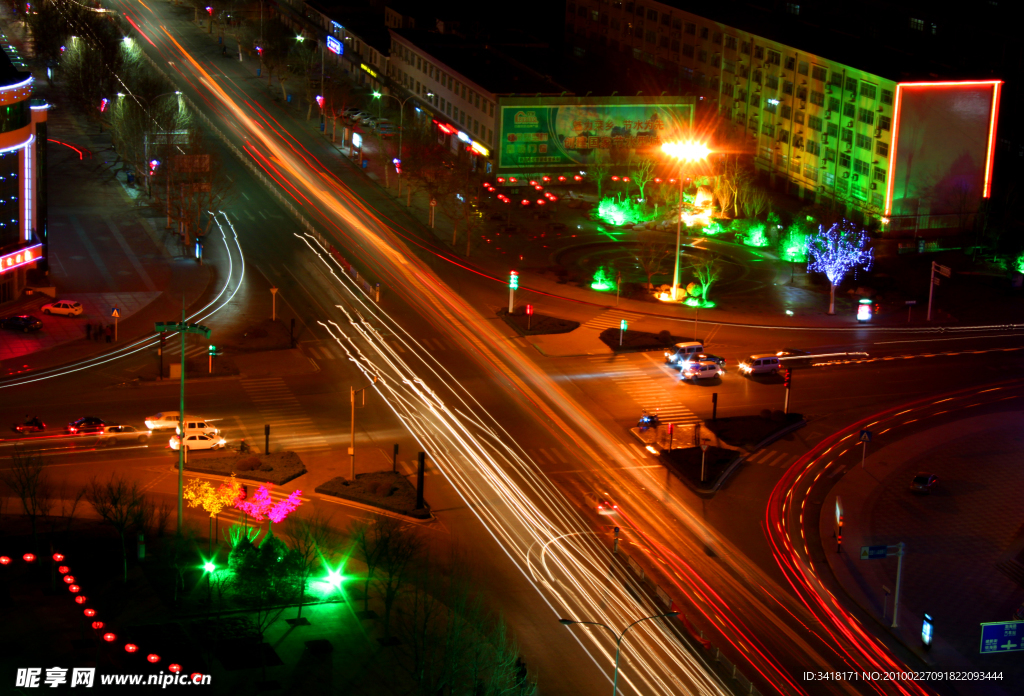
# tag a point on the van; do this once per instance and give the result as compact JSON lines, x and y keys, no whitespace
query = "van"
{"x":682,"y":353}
{"x":197,"y":426}
{"x":760,"y":364}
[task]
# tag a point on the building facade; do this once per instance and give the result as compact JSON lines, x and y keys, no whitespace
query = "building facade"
{"x":22,"y":177}
{"x":818,"y":128}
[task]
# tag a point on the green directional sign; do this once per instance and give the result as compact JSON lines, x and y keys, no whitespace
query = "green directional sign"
{"x":162,"y":326}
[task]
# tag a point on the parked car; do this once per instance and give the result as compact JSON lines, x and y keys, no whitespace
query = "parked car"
{"x":115,"y":434}
{"x":923,"y":482}
{"x":701,"y":370}
{"x":198,"y":442}
{"x":67,"y":308}
{"x":354,"y":114}
{"x":21,"y":322}
{"x":86,"y":425}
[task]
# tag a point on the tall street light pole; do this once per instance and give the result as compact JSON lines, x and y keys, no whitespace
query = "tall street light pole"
{"x":686,"y":151}
{"x":182,"y":328}
{"x":618,"y":638}
{"x":401,"y":127}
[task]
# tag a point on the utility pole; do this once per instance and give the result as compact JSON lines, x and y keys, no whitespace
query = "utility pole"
{"x":900,"y":549}
{"x":352,"y":443}
{"x":182,"y":328}
{"x":941,"y":270}
{"x":787,"y":381}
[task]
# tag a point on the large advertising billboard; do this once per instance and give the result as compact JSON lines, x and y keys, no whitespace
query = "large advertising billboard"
{"x":940,"y":163}
{"x":552,"y":133}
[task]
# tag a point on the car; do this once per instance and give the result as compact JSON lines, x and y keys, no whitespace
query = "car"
{"x":792,"y":357}
{"x":708,"y":357}
{"x":114,"y":434}
{"x":682,"y":353}
{"x":67,"y":308}
{"x":86,"y":425}
{"x":196,"y":425}
{"x":363,"y":117}
{"x":601,"y":503}
{"x":21,"y":322}
{"x":354,"y":113}
{"x":701,"y":370}
{"x":198,"y":441}
{"x":923,"y":482}
{"x":760,"y":364}
{"x":163,"y":420}
{"x":30,"y":425}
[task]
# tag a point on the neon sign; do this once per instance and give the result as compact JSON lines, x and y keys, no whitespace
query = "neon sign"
{"x":334,"y":46}
{"x":20,"y":258}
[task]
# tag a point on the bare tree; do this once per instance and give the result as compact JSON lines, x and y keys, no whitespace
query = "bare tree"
{"x":652,"y":252}
{"x":369,"y":539}
{"x":28,"y":478}
{"x":641,"y":173}
{"x":399,"y":548}
{"x":120,"y":504}
{"x":706,"y":270}
{"x":313,"y":544}
{"x":599,"y":173}
{"x":754,"y":200}
{"x":193,"y":183}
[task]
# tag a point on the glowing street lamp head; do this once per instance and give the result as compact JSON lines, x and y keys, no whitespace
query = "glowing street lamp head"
{"x":335,"y":578}
{"x":127,"y":41}
{"x":376,"y":95}
{"x":688,"y":151}
{"x":209,"y":566}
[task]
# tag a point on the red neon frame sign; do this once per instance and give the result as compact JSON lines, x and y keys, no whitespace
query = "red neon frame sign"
{"x":993,"y":118}
{"x":21,"y":257}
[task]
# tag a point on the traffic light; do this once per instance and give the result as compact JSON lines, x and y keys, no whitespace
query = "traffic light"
{"x":787,"y":379}
{"x":214,"y":351}
{"x":513,"y":280}
{"x":153,"y":164}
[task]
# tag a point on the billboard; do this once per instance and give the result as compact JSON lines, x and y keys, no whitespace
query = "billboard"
{"x":552,"y":133}
{"x":940,"y":162}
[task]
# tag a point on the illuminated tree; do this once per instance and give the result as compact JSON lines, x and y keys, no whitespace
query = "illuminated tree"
{"x":200,"y":493}
{"x":642,"y":173}
{"x":651,"y":252}
{"x":282,"y":509}
{"x":706,"y":270}
{"x":837,"y":251}
{"x":598,"y":173}
{"x":258,"y":505}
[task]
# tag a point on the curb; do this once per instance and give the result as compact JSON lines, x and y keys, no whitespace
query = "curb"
{"x":743,"y":457}
{"x":371,"y":508}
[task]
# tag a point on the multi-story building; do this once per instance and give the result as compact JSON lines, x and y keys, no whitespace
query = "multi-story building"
{"x":22,"y":176}
{"x":356,"y":39}
{"x":818,"y":125}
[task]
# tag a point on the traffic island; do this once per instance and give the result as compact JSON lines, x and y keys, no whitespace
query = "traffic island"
{"x":755,"y":432}
{"x":277,"y":468}
{"x":638,"y":341}
{"x":536,"y":324}
{"x":386,"y":490}
{"x":687,"y":465}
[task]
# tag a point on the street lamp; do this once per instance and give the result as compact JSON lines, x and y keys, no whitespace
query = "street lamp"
{"x":618,"y":638}
{"x":686,"y":151}
{"x":401,"y":123}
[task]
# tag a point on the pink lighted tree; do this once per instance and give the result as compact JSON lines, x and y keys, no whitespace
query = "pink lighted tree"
{"x":284,"y":508}
{"x":258,"y":505}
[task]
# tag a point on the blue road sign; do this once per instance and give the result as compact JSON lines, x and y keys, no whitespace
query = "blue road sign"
{"x":1002,"y":636}
{"x":865,"y":436}
{"x":870,"y":553}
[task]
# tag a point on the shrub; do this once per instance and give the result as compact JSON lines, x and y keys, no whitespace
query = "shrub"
{"x":766,"y":413}
{"x":247,"y":464}
{"x":665,"y":337}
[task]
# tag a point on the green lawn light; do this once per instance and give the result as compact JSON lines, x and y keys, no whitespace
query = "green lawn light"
{"x":210,"y":567}
{"x":602,"y":281}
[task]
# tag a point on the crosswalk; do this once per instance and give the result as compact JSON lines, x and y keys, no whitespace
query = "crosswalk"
{"x":559,"y":457}
{"x":610,"y":319}
{"x":648,"y":393}
{"x":771,"y":458}
{"x":290,"y":427}
{"x":329,"y":350}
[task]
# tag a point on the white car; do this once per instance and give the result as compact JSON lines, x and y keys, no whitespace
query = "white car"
{"x":701,"y":370}
{"x":163,"y":420}
{"x":199,"y":441}
{"x":113,"y":434}
{"x":68,"y":308}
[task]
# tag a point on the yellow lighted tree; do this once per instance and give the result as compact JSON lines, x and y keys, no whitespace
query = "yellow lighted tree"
{"x":200,"y":493}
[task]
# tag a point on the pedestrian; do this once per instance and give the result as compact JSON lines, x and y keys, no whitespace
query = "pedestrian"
{"x":110,"y":333}
{"x":88,"y":331}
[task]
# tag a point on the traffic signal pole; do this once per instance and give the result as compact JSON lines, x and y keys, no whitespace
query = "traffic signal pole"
{"x":787,"y":381}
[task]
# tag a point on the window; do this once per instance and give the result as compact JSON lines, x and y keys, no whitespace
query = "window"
{"x":490,"y":108}
{"x":814,"y":123}
{"x":799,"y":117}
{"x":772,"y":83}
{"x":812,"y":147}
{"x":704,"y":33}
{"x":866,"y":116}
{"x":752,"y":122}
{"x":476,"y":101}
{"x":803,"y":67}
{"x":837,"y":79}
{"x":759,"y":52}
{"x":861,"y":167}
{"x":798,"y":141}
{"x":818,"y":73}
{"x":881,"y":149}
{"x":702,"y":56}
{"x":849,"y":110}
{"x":801,"y":93}
{"x":675,"y":45}
{"x":847,"y":136}
{"x":790,"y":63}
{"x":851,"y":85}
{"x":448,"y":109}
{"x":638,"y":32}
{"x":830,"y":155}
{"x":844,"y":160}
{"x":629,"y":7}
{"x":787,"y":87}
{"x":650,"y":37}
{"x":810,"y":173}
{"x":817,"y":98}
{"x":745,"y":48}
{"x":878,"y":174}
{"x":792,"y":8}
{"x":787,"y":112}
{"x":688,"y":50}
{"x":876,"y":199}
{"x":716,"y":38}
{"x":640,"y":11}
{"x":883,"y":123}
{"x":729,"y":66}
{"x":832,"y":130}
{"x":771,"y":105}
{"x":714,"y":83}
{"x":767,"y":129}
{"x":652,"y":15}
{"x":863,"y":142}
{"x":867,"y":91}
{"x":594,"y":14}
{"x":833,"y":104}
{"x":677,"y":23}
{"x":615,"y":25}
{"x":666,"y":19}
{"x":730,"y":42}
{"x":757,"y":77}
{"x":690,"y":28}
{"x":637,"y":54}
{"x":916,"y":24}
{"x":774,"y":57}
{"x":663,"y":42}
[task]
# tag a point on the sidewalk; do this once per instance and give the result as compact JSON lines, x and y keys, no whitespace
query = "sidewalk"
{"x":956,"y":538}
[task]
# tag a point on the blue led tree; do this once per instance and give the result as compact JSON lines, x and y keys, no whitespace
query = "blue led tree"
{"x":837,"y":251}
